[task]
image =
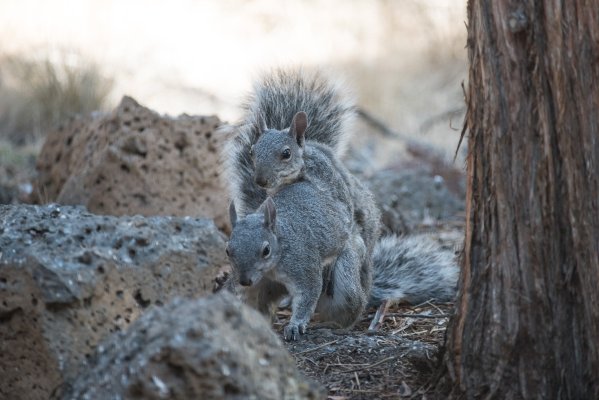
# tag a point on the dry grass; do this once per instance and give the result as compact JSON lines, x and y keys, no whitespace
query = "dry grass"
{"x":37,"y":94}
{"x":405,"y":59}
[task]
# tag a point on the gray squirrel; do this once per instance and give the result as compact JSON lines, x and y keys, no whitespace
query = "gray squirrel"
{"x":306,"y":226}
{"x":275,"y":100}
{"x":312,"y":254}
{"x":275,"y":146}
{"x":306,"y":249}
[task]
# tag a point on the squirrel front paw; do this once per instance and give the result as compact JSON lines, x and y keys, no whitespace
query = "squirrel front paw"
{"x":293,"y":331}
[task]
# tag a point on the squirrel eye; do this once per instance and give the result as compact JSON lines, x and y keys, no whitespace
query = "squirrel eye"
{"x":286,"y":155}
{"x":266,"y":251}
{"x":227,"y":250}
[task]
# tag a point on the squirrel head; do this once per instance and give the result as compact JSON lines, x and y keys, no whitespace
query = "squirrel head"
{"x":253,"y":248}
{"x":278,"y":155}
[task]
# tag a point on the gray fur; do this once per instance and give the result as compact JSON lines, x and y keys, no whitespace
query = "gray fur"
{"x":315,"y":162}
{"x":413,"y":269}
{"x":309,"y":247}
{"x":310,"y":118}
{"x":323,"y":245}
{"x":312,"y":235}
{"x":276,"y":98}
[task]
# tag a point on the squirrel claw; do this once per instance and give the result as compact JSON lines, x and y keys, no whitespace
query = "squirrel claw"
{"x":293,"y":331}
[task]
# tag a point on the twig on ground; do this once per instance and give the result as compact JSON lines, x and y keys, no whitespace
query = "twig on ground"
{"x":403,"y":315}
{"x":317,"y":347}
{"x":379,"y":316}
{"x":372,"y":365}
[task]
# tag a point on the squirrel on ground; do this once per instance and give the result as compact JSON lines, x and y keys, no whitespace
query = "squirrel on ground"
{"x":307,"y":227}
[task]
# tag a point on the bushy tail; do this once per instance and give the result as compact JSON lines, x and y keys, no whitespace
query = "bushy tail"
{"x":414,"y":269}
{"x":275,"y":99}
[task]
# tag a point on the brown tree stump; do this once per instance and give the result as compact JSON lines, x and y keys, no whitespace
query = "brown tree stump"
{"x":527,"y":317}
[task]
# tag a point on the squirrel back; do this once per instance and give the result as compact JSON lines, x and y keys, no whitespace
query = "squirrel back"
{"x":276,"y":98}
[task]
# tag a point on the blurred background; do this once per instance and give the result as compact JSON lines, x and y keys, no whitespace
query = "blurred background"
{"x":405,"y":60}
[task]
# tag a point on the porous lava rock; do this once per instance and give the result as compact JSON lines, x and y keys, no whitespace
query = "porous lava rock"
{"x":135,"y":161}
{"x":210,"y":348}
{"x":69,"y":278}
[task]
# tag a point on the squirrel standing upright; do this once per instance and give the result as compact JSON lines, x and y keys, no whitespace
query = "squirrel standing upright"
{"x":288,"y":147}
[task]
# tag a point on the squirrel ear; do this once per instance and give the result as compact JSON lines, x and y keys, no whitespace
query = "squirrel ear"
{"x":232,"y":214}
{"x":270,"y":213}
{"x":298,"y":127}
{"x":260,"y":124}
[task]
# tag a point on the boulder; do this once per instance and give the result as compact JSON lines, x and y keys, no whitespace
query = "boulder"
{"x":412,"y":197}
{"x":135,"y":161}
{"x":211,"y":348}
{"x":69,"y":278}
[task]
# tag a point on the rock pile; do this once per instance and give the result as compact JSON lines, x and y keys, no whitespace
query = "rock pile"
{"x":69,"y":278}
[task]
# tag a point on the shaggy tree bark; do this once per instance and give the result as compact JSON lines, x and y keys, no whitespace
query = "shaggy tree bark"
{"x":527,"y":317}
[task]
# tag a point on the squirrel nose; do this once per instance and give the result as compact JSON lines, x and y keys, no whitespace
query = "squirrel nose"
{"x":261,"y":181}
{"x":245,"y":281}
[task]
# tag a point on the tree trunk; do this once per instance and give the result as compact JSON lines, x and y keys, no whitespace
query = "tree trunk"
{"x":527,"y":317}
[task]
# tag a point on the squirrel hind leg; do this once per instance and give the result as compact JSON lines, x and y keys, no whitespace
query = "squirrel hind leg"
{"x":345,"y":305}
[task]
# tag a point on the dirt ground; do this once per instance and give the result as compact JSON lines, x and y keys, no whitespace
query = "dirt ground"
{"x":396,"y":361}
